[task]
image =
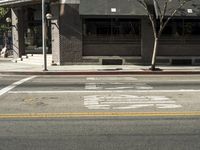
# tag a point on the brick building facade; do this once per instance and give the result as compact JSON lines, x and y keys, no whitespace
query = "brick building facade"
{"x":104,"y":32}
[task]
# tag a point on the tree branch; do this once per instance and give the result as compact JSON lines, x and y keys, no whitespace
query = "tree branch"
{"x":164,"y":11}
{"x":171,"y":16}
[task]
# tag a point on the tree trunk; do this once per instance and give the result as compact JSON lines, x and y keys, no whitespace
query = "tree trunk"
{"x":153,"y":61}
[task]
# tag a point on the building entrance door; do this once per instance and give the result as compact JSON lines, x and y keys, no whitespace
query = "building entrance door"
{"x":33,"y":37}
{"x":33,"y":32}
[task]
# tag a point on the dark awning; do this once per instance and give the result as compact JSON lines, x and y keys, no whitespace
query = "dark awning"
{"x":111,"y":7}
{"x":191,"y":8}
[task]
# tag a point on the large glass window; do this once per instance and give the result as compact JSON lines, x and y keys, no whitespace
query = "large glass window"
{"x":182,"y":28}
{"x":112,"y":28}
{"x":174,"y":28}
{"x":182,"y":31}
{"x":191,"y":27}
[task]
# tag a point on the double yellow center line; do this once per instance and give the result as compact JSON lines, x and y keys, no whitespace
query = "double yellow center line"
{"x":97,"y":114}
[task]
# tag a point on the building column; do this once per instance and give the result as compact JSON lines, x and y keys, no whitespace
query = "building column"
{"x":70,"y":33}
{"x":55,"y":33}
{"x":147,"y":40}
{"x":18,"y":32}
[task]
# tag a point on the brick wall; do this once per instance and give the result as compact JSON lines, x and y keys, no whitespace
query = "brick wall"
{"x":70,"y":34}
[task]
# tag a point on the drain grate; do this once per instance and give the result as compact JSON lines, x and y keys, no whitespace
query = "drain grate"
{"x":182,"y":62}
{"x":112,"y":62}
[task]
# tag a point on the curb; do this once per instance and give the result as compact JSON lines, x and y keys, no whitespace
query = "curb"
{"x":145,"y":72}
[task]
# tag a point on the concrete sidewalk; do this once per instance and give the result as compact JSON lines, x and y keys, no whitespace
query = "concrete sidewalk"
{"x":8,"y":67}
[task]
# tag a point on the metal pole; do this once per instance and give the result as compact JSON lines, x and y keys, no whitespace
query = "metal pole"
{"x":44,"y":35}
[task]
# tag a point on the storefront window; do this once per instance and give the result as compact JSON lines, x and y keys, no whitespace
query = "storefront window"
{"x":192,"y":27}
{"x":112,"y":28}
{"x":173,"y":29}
{"x":181,"y":31}
{"x":182,"y":28}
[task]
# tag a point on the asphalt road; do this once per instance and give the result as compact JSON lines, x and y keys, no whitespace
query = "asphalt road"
{"x":122,"y":133}
{"x":100,"y":112}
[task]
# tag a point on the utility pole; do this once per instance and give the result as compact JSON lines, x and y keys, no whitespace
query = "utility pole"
{"x":44,"y":35}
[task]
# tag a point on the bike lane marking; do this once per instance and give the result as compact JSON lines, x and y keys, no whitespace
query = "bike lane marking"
{"x":119,"y":101}
{"x":114,"y":84}
{"x":15,"y":84}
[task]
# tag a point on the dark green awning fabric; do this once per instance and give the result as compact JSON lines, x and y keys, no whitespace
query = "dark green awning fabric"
{"x":191,"y":5}
{"x":111,"y":7}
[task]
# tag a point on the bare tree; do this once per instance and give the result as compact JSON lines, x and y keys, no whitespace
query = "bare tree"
{"x":159,"y":15}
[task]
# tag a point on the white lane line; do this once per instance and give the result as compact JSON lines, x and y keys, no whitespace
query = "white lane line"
{"x":91,"y":78}
{"x":12,"y":86}
{"x":144,"y":88}
{"x":143,"y":102}
{"x":102,"y":91}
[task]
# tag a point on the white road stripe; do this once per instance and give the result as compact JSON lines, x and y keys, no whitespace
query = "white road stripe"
{"x":12,"y":86}
{"x":91,"y":78}
{"x":103,"y":91}
{"x":141,"y":102}
{"x":144,"y":88}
